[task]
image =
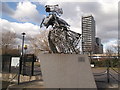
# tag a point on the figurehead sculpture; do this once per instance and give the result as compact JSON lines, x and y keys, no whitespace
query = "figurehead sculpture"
{"x":61,"y":39}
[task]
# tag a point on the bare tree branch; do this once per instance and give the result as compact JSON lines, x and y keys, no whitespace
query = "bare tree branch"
{"x":40,"y":42}
{"x":8,"y":40}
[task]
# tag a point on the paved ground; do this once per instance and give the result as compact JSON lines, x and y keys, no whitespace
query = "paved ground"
{"x":37,"y":82}
{"x":100,"y":75}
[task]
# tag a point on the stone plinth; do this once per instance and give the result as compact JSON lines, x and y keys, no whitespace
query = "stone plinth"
{"x":66,"y":71}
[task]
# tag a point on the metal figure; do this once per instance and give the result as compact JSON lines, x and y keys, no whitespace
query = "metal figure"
{"x":61,"y":39}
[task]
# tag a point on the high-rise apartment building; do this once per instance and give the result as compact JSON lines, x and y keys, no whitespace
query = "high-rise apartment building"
{"x":88,"y":34}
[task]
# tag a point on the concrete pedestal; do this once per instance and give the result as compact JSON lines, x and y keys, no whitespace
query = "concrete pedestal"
{"x":66,"y":71}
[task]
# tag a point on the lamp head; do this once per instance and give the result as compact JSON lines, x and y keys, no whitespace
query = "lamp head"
{"x":23,"y":33}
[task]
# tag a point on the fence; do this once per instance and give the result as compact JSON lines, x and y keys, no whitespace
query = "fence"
{"x":6,"y":63}
{"x":110,"y":73}
{"x":27,"y":65}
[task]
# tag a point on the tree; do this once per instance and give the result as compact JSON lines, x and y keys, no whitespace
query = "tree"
{"x":115,"y":48}
{"x":40,"y":43}
{"x":8,"y":40}
{"x":112,"y":57}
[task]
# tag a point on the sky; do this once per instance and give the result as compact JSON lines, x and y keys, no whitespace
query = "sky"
{"x":26,"y":15}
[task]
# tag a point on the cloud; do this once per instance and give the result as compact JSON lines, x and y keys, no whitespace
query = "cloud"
{"x":25,"y":12}
{"x":110,"y":45}
{"x":105,"y":14}
{"x":106,"y":21}
{"x":18,"y":28}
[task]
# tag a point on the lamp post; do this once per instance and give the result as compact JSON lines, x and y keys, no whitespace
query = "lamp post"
{"x":24,"y":62}
{"x":21,"y":58}
{"x":23,"y":34}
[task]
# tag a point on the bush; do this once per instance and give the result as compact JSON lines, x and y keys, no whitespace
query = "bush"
{"x":112,"y":62}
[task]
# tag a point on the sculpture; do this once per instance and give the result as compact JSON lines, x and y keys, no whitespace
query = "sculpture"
{"x":61,"y":39}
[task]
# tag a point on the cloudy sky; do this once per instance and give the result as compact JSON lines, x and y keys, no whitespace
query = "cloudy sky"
{"x":26,"y":16}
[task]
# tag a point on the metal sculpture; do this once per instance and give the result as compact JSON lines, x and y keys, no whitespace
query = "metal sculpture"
{"x":61,"y":39}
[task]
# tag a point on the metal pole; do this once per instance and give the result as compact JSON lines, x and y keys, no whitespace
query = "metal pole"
{"x":23,"y":44}
{"x":118,"y":65}
{"x":21,"y":59}
{"x":108,"y":69}
{"x":24,"y":60}
{"x":32,"y":71}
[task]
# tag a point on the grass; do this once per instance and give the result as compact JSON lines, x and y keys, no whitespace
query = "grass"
{"x":106,"y":68}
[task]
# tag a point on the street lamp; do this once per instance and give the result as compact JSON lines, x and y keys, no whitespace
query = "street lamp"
{"x":21,"y":58}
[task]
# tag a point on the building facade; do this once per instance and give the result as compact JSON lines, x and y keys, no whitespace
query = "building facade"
{"x":98,"y":46}
{"x":88,"y":34}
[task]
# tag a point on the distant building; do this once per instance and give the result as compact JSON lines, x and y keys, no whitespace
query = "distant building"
{"x":98,"y":46}
{"x":88,"y":34}
{"x":101,"y":50}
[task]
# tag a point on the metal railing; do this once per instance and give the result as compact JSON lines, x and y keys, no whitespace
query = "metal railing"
{"x":109,"y":73}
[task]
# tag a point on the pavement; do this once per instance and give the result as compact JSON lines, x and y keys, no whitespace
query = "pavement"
{"x":100,"y":75}
{"x":36,"y":82}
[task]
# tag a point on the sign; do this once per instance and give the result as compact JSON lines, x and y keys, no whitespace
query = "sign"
{"x":30,"y":58}
{"x":15,"y":61}
{"x":81,"y":59}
